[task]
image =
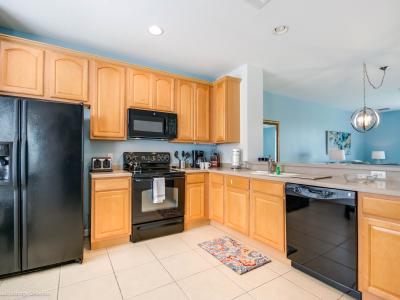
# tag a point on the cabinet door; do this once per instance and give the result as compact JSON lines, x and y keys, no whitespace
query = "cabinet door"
{"x":237,"y":210}
{"x":202,"y":113}
{"x":67,"y":76}
{"x":22,"y":68}
{"x":220,"y":116}
{"x":139,"y":89}
{"x":111,"y":210}
{"x":108,"y":112}
{"x":195,"y":201}
{"x":379,"y":258}
{"x":163,"y":93}
{"x":267,"y":220}
{"x":185,"y":107}
{"x":217,"y":201}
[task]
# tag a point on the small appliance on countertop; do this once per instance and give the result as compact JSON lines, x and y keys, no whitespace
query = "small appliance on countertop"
{"x":101,"y":164}
{"x":215,"y":160}
{"x":198,"y":156}
{"x":236,"y":159}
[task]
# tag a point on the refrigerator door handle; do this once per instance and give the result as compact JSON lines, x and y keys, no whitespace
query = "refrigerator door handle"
{"x":23,"y":161}
{"x":23,"y":146}
{"x":14,"y":158}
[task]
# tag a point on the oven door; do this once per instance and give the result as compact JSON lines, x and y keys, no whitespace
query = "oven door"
{"x":145,"y":210}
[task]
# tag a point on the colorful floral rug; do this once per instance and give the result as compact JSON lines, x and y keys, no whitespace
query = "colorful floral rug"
{"x":234,"y":255}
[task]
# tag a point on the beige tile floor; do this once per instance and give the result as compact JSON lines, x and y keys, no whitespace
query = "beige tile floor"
{"x":171,"y":267}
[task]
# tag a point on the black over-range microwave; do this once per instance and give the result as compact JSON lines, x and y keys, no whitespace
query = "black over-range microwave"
{"x":148,"y":124}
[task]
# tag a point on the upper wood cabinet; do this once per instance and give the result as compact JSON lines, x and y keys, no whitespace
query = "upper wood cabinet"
{"x":163,"y":93}
{"x":267,"y":214}
{"x":201,"y":113}
{"x":107,"y":93}
{"x":225,"y":112}
{"x":22,"y":68}
{"x":379,"y":246}
{"x":216,"y":198}
{"x":193,"y":109}
{"x":184,"y":109}
{"x":139,"y":89}
{"x":66,"y":76}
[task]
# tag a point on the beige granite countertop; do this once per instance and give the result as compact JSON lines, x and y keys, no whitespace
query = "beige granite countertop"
{"x":384,"y":187}
{"x":114,"y":173}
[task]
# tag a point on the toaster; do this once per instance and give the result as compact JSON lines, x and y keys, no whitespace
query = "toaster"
{"x":101,"y":164}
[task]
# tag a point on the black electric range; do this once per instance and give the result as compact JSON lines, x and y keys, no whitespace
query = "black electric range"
{"x":151,"y":218}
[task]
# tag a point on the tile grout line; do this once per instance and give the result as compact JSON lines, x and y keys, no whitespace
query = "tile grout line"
{"x":59,"y":278}
{"x":115,"y":275}
{"x":175,"y":281}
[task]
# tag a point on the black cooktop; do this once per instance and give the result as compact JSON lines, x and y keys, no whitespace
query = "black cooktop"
{"x":149,"y":164}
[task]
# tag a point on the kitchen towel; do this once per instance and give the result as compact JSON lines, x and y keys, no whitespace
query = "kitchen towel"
{"x":158,"y":190}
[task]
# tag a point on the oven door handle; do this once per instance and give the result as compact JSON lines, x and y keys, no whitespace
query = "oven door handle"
{"x":151,"y":179}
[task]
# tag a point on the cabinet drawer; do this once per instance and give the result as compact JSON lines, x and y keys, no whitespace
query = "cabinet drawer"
{"x":111,"y":184}
{"x":237,"y":182}
{"x":195,"y":178}
{"x":267,"y":187}
{"x":217,"y":178}
{"x":381,"y":206}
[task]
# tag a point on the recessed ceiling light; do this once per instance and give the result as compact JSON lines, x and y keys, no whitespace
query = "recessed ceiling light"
{"x":155,"y":30}
{"x":281,"y":29}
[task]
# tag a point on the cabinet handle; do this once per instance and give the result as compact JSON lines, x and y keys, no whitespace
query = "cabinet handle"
{"x":231,"y":181}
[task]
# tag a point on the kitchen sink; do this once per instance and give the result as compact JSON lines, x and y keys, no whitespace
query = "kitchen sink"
{"x":266,"y":173}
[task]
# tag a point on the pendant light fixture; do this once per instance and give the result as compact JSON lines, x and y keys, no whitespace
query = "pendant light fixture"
{"x":366,"y":118}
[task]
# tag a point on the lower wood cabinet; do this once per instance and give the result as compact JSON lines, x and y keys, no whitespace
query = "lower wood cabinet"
{"x":237,"y":205}
{"x":267,"y":213}
{"x":110,"y":211}
{"x":379,"y":246}
{"x":195,"y":200}
{"x":216,"y":197}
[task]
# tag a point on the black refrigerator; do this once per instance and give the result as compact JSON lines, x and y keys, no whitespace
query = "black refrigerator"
{"x":41,"y":151}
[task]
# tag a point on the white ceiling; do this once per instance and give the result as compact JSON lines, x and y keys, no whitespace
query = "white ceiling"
{"x":319,"y":59}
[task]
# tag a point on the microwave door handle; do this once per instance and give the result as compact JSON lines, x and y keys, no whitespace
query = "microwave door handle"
{"x":165,"y":126}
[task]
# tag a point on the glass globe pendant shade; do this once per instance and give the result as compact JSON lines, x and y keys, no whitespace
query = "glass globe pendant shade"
{"x":365,"y":119}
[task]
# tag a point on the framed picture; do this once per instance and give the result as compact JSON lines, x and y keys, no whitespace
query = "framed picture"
{"x":338,"y":140}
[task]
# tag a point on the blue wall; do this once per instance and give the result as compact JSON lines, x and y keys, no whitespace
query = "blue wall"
{"x":269,"y":135}
{"x":303,"y":125}
{"x":385,"y":137}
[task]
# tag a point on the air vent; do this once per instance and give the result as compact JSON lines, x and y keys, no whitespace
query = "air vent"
{"x":258,"y":3}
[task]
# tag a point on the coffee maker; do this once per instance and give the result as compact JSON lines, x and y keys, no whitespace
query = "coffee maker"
{"x":5,"y":154}
{"x":197,"y":157}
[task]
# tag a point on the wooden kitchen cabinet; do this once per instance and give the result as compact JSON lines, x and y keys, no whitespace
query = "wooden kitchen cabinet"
{"x":67,"y":76}
{"x":237,"y":204}
{"x":216,"y":198}
{"x":107,"y":93}
{"x":267,"y":213}
{"x":163,"y":93}
{"x":185,"y":109}
{"x":379,"y":246}
{"x":110,"y":211}
{"x":22,"y":68}
{"x":193,"y":110}
{"x":225,"y":112}
{"x":201,"y":112}
{"x":195,"y":200}
{"x":139,"y":89}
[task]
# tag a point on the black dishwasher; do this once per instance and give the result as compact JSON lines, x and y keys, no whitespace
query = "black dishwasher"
{"x":321,"y":233}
